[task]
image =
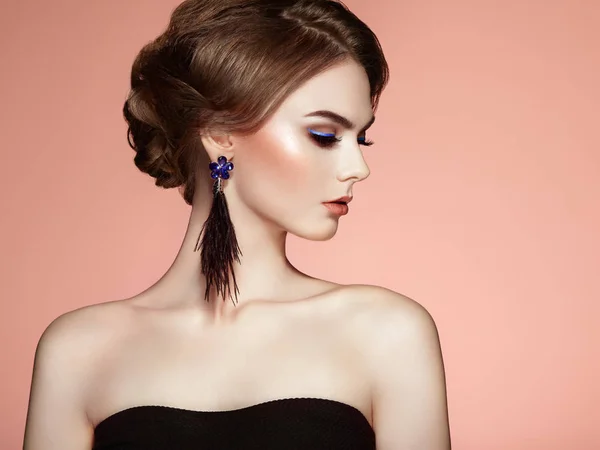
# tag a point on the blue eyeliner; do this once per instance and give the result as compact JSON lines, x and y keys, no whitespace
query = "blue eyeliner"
{"x":320,"y":133}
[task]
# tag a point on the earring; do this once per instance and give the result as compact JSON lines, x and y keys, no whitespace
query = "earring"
{"x":217,"y":241}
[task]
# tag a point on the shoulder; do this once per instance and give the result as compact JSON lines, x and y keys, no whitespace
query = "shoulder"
{"x":82,"y":328}
{"x":64,"y":362}
{"x":391,"y":314}
{"x":69,"y":345}
{"x":400,"y":339}
{"x":402,"y":351}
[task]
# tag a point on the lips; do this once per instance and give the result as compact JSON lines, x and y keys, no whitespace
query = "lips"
{"x":342,"y":200}
{"x":339,"y":209}
{"x":339,"y":206}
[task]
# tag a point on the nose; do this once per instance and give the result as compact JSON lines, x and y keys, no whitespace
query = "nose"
{"x":352,"y":165}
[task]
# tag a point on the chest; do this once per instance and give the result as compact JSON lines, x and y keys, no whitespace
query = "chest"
{"x":216,"y":371}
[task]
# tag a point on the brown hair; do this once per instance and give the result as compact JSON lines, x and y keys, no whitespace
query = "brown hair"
{"x":228,"y":65}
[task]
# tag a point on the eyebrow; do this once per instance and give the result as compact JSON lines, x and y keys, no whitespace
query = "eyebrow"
{"x":341,"y":120}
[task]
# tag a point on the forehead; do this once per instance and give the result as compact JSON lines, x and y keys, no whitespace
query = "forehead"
{"x":343,"y":88}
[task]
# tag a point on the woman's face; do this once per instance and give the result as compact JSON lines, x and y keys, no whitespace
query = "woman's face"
{"x":301,"y":158}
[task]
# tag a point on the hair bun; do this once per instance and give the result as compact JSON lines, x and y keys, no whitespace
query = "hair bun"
{"x":147,"y":133}
{"x":149,"y":140}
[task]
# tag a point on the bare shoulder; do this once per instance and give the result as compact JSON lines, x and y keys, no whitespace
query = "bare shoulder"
{"x":393,"y":324}
{"x":72,"y":341}
{"x":390,"y":312}
{"x":82,"y":329}
{"x":64,"y":361}
{"x":403,"y":353}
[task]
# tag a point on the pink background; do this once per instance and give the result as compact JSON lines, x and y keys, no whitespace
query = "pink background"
{"x":482,"y":202}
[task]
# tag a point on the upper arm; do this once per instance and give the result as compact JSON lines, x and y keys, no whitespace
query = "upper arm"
{"x":56,"y":417}
{"x":409,"y":399}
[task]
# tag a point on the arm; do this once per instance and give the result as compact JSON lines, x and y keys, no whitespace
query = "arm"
{"x":56,"y":419}
{"x":409,"y":401}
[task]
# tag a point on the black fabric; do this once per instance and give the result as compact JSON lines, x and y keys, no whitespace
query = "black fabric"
{"x":283,"y":424}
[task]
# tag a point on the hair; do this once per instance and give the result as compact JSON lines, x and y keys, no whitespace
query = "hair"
{"x":227,"y":65}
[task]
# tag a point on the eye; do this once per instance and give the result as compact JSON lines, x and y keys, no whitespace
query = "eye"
{"x":329,"y":139}
{"x":323,"y":139}
{"x":363,"y":141}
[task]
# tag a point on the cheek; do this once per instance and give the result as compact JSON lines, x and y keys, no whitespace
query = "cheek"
{"x":278,"y":163}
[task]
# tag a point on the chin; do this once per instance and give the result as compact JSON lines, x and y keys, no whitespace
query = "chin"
{"x":318,"y":232}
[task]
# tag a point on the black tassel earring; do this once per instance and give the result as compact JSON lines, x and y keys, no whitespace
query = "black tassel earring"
{"x":217,"y":241}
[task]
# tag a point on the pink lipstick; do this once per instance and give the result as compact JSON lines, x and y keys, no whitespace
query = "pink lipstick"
{"x":339,"y":206}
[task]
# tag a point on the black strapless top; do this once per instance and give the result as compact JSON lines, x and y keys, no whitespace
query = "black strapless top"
{"x":284,"y":424}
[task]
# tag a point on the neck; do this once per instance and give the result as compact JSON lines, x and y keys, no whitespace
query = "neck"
{"x":264,"y":273}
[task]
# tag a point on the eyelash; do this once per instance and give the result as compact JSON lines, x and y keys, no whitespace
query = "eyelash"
{"x":328,"y":140}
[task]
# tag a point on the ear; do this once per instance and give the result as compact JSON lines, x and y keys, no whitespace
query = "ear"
{"x":217,"y":144}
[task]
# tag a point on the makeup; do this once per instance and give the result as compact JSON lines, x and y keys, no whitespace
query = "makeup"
{"x":328,"y":139}
{"x":323,"y":139}
{"x":339,"y":206}
{"x":339,"y":209}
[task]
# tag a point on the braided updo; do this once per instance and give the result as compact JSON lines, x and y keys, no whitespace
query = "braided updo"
{"x":227,"y":65}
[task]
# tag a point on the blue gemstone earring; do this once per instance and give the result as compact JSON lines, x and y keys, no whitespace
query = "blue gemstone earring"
{"x":221,"y":168}
{"x":217,"y":242}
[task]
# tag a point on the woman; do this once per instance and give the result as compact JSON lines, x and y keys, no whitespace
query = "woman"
{"x":257,"y":110}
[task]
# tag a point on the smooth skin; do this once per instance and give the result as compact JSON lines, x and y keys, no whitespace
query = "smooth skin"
{"x":290,"y":335}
